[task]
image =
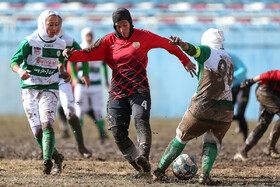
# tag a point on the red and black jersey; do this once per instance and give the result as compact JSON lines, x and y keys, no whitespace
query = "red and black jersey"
{"x":271,"y":80}
{"x":128,"y":60}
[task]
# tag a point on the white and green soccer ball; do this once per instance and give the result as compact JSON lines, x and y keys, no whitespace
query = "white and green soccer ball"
{"x":184,"y":167}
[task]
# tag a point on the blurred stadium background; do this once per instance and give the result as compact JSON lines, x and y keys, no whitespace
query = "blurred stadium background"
{"x":251,"y":30}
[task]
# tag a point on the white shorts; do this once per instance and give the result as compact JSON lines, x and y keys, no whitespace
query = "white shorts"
{"x":39,"y":105}
{"x":66,"y":99}
{"x":87,"y":99}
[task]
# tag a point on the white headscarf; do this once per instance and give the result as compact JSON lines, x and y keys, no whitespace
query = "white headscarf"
{"x":61,"y":32}
{"x":84,"y":32}
{"x":42,"y":25}
{"x":213,"y":38}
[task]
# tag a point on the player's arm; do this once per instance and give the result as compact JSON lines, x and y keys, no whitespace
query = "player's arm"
{"x":22,"y":52}
{"x":89,"y":54}
{"x":85,"y":68}
{"x":61,"y":67}
{"x":267,"y":76}
{"x":200,"y":53}
{"x":106,"y":74}
{"x":270,"y":75}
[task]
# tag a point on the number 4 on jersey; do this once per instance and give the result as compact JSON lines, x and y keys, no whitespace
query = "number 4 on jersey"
{"x":144,"y":104}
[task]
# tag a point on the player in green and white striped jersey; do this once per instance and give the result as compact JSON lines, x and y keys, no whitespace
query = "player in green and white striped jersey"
{"x":66,"y":97}
{"x":39,"y":61}
{"x":91,"y":99}
{"x":211,"y":109}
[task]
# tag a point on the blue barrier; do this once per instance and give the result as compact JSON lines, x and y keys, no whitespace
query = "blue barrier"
{"x":171,"y":86}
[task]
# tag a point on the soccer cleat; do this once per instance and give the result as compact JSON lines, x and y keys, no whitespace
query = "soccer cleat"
{"x":143,"y":163}
{"x":85,"y":152}
{"x":240,"y":157}
{"x":47,"y":166}
{"x":142,"y":174}
{"x":57,"y":168}
{"x":272,"y":153}
{"x":204,"y":179}
{"x":158,"y":174}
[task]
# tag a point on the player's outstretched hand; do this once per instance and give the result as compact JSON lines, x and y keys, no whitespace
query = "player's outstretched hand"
{"x":66,"y":76}
{"x":86,"y":81}
{"x":67,"y":52}
{"x":175,"y":40}
{"x":24,"y":74}
{"x":247,"y":83}
{"x":191,"y":68}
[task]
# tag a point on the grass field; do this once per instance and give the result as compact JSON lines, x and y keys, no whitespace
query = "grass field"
{"x":20,"y":163}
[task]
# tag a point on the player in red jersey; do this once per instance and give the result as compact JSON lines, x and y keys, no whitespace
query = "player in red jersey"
{"x":268,"y":95}
{"x":125,"y":51}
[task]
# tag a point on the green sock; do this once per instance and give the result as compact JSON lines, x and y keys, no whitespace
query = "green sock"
{"x":171,"y":152}
{"x":39,"y":142}
{"x":48,"y":143}
{"x":77,"y":130}
{"x":101,"y":124}
{"x":81,"y":122}
{"x":208,"y":157}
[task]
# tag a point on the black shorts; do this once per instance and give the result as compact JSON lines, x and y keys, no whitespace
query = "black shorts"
{"x":268,"y":99}
{"x":120,"y":110}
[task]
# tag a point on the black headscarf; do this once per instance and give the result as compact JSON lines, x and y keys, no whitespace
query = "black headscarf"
{"x":119,"y":15}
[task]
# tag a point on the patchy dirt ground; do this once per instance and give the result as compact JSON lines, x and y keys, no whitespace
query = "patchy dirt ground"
{"x":20,"y":163}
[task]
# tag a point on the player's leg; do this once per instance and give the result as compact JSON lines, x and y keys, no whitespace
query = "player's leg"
{"x":188,"y":128}
{"x":119,"y":117}
{"x":242,"y":101}
{"x":141,"y":106}
{"x":211,"y":139}
{"x":272,"y":140}
{"x":81,"y":103}
{"x":96,"y":103}
{"x":63,"y":123}
{"x":47,"y":110}
{"x":31,"y":107}
{"x":264,"y":120}
{"x":272,"y":103}
{"x":68,"y":103}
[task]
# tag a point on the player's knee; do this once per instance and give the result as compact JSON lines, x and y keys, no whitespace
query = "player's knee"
{"x":121,"y":137}
{"x":142,"y":119}
{"x":209,"y":137}
{"x":48,"y":124}
{"x":70,"y":113}
{"x":37,"y":131}
{"x":119,"y":133}
{"x":98,"y":115}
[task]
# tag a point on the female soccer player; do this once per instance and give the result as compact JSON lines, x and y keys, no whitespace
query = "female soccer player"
{"x":66,"y":97}
{"x":125,"y":51}
{"x":211,"y":109}
{"x":90,"y":100}
{"x":36,"y":61}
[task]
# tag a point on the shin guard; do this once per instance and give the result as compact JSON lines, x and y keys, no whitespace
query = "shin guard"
{"x":48,"y":142}
{"x":172,"y":151}
{"x":77,"y":130}
{"x":209,"y":154}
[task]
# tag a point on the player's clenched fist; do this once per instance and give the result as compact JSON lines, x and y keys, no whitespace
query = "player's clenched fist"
{"x":24,"y":74}
{"x":175,"y":40}
{"x":67,"y":52}
{"x":247,"y":83}
{"x":65,"y":76}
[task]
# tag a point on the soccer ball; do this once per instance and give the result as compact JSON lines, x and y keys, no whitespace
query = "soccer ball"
{"x":184,"y":167}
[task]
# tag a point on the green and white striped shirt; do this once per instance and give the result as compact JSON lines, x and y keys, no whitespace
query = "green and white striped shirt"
{"x":42,"y":59}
